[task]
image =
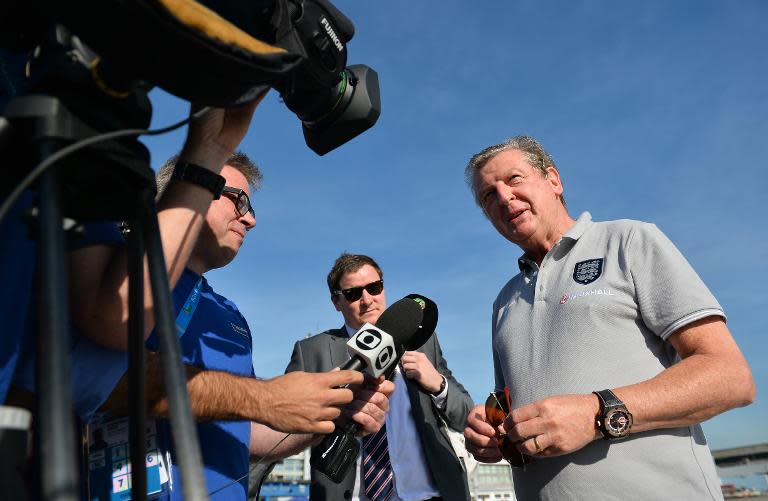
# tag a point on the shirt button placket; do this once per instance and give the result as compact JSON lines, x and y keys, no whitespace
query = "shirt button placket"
{"x":540,"y":286}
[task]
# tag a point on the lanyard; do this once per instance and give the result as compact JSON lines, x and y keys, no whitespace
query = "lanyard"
{"x":186,"y":312}
{"x":108,"y":462}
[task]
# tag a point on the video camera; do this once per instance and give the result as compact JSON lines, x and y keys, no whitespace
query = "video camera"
{"x":212,"y":52}
{"x":85,"y":78}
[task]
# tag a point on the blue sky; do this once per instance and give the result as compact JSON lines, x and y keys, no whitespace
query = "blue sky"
{"x":655,"y":110}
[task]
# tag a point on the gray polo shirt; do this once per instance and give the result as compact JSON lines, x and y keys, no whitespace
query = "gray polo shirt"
{"x":596,"y":315}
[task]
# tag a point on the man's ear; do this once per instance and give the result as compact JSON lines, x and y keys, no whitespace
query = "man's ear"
{"x":335,"y":301}
{"x":553,"y":177}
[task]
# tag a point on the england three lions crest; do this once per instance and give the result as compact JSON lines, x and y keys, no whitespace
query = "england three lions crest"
{"x":586,"y":272}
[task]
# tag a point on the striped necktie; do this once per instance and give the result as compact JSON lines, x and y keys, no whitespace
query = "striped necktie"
{"x":378,"y":478}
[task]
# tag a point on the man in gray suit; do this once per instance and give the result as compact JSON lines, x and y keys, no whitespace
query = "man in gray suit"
{"x":411,"y":458}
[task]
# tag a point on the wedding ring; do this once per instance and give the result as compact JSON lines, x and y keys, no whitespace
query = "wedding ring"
{"x":536,"y":444}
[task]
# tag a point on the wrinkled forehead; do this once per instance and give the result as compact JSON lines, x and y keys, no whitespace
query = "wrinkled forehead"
{"x":504,"y":164}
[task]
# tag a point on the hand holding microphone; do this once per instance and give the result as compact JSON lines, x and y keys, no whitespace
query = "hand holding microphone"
{"x":372,"y":350}
{"x":376,"y":350}
{"x":369,"y":407}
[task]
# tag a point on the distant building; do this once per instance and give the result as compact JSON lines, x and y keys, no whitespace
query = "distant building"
{"x":287,"y":480}
{"x":742,"y":461}
{"x":291,"y":469}
{"x":491,"y":482}
{"x":487,"y":482}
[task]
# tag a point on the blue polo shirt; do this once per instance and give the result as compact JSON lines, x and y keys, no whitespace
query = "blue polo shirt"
{"x":217,"y":338}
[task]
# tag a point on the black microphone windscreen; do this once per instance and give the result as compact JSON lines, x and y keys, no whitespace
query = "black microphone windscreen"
{"x":428,"y":322}
{"x":401,"y":321}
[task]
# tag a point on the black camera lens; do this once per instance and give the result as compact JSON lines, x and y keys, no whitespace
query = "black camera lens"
{"x":355,"y":108}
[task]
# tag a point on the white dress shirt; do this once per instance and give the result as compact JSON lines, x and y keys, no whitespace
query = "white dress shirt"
{"x":413,"y":481}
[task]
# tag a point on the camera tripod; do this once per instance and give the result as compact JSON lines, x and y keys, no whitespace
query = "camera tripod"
{"x":79,"y":187}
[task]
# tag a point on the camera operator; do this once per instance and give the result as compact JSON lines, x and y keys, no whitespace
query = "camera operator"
{"x":217,"y":342}
{"x":200,"y":233}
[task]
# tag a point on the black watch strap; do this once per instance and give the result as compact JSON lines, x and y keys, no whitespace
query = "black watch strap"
{"x":608,"y":399}
{"x":191,"y":173}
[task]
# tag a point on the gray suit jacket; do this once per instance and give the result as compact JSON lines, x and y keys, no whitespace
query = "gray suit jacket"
{"x":328,"y":350}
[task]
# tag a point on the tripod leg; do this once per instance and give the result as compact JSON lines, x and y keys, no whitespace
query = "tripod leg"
{"x":59,"y":465}
{"x":183,"y":426}
{"x":136,"y":362}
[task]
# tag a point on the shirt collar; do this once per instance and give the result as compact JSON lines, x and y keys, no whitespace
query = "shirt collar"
{"x":570,"y":237}
{"x":577,"y":230}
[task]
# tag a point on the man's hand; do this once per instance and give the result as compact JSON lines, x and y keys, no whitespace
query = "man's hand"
{"x":370,"y":405}
{"x":480,"y":437}
{"x":301,"y":402}
{"x":560,"y":424}
{"x":213,"y":137}
{"x":368,"y":410}
{"x":417,"y":366}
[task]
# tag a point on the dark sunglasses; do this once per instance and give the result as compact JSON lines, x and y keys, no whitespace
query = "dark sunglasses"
{"x":242,"y":202}
{"x":496,"y":411}
{"x":354,"y":293}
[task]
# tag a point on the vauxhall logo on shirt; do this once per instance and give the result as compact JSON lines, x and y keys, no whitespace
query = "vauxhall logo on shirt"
{"x":594,"y":292}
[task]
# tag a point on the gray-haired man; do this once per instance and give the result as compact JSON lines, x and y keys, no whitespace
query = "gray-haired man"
{"x":606,"y":332}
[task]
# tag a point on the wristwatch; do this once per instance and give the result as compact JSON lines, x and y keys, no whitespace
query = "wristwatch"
{"x":185,"y":171}
{"x":614,"y":420}
{"x":442,"y":387}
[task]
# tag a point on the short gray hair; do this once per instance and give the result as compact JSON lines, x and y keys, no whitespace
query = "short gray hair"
{"x":533,"y":151}
{"x":238,"y":160}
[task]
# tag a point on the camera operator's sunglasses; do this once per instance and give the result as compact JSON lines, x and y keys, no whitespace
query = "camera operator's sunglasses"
{"x":242,"y":202}
{"x":354,"y":293}
{"x":496,"y":411}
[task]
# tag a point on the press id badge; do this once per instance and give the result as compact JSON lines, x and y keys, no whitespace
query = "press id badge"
{"x":109,"y":467}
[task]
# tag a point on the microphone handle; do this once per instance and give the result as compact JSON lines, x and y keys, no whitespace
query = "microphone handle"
{"x":354,"y":364}
{"x":337,"y":453}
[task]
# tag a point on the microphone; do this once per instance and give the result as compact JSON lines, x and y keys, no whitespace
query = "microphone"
{"x":428,"y":322}
{"x":375,"y":350}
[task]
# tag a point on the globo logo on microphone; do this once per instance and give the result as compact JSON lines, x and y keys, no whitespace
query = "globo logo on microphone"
{"x":384,"y":358}
{"x":368,"y":339}
{"x":375,"y":347}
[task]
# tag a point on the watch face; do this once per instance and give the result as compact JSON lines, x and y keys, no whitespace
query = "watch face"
{"x":618,"y":422}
